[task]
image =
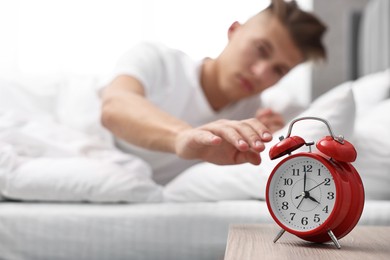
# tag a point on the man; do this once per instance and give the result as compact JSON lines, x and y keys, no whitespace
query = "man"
{"x":173,"y":111}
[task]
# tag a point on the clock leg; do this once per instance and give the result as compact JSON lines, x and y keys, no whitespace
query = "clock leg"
{"x":281,"y":232}
{"x":334,"y":239}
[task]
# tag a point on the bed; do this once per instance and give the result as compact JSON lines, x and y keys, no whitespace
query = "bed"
{"x":145,"y":231}
{"x":99,"y":217}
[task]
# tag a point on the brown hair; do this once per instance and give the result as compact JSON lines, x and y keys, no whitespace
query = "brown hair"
{"x":305,"y":29}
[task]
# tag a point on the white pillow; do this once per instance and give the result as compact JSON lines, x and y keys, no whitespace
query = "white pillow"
{"x":281,"y":102}
{"x":206,"y":181}
{"x":370,"y":90}
{"x":372,"y":142}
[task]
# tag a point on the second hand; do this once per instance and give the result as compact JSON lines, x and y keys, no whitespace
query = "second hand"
{"x":317,"y":186}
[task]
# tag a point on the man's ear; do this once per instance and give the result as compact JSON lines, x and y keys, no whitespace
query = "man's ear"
{"x":233,"y":27}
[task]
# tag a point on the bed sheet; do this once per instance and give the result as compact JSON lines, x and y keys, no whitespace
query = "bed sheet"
{"x":134,"y":231}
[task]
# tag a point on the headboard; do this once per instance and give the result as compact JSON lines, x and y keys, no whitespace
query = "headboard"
{"x":369,"y":39}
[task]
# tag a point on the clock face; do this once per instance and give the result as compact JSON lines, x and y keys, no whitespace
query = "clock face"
{"x":302,"y":193}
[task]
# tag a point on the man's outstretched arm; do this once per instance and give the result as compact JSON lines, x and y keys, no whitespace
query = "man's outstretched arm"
{"x":130,"y":116}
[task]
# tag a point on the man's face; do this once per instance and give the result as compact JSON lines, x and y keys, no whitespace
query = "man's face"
{"x":259,"y":53}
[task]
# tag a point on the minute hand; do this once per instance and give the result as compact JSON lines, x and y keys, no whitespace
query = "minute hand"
{"x":317,"y":186}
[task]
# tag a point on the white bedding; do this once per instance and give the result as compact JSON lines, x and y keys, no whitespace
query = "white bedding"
{"x":77,"y":163}
{"x":40,"y":231}
{"x":58,"y":151}
{"x":64,"y":154}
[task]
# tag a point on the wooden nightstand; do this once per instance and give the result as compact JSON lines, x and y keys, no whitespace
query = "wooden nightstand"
{"x":255,"y":241}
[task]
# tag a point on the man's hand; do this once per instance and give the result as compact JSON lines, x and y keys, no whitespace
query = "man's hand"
{"x":224,"y":142}
{"x":272,"y":120}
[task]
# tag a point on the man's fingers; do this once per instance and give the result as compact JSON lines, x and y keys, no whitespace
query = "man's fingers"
{"x":208,"y":138}
{"x":266,"y":137}
{"x":228,"y":132}
{"x":244,"y":135}
{"x":274,"y":121}
{"x":264,"y":112}
{"x":251,"y":157}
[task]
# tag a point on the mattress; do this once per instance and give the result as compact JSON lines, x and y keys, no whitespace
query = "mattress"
{"x":134,"y":231}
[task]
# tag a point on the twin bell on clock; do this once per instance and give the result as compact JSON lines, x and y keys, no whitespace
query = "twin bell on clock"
{"x":315,"y":195}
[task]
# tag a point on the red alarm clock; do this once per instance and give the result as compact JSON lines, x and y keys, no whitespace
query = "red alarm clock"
{"x":315,"y":195}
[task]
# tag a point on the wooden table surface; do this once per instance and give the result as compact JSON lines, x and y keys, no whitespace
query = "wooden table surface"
{"x":255,"y":241}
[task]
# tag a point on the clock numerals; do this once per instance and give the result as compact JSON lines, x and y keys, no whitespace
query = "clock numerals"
{"x":326,"y":209}
{"x":327,"y":182}
{"x":288,"y":181}
{"x":330,"y":196}
{"x":305,"y":220}
{"x":284,"y":205}
{"x":282,"y":193}
{"x":303,"y":194}
{"x":308,"y":168}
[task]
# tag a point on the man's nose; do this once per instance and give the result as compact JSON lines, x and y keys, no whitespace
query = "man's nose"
{"x":262,"y":70}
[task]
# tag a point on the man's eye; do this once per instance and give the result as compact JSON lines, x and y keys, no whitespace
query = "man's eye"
{"x":262,"y":52}
{"x":279,"y":71}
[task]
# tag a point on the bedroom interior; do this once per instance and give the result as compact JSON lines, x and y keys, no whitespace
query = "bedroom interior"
{"x":85,"y":212}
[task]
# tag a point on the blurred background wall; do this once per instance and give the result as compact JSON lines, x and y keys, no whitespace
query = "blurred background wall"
{"x":336,"y":14}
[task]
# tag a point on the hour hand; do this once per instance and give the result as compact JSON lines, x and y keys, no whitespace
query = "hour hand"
{"x":313,"y":199}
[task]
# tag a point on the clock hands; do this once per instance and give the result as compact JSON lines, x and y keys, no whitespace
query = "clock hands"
{"x":306,"y":193}
{"x":313,"y":199}
{"x":317,"y":186}
{"x":304,"y":188}
{"x":300,"y":202}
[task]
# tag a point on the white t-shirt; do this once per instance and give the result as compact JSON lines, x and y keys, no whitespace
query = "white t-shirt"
{"x":172,"y":82}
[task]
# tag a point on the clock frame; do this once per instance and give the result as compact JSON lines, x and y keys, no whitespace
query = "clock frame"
{"x":349,"y":190}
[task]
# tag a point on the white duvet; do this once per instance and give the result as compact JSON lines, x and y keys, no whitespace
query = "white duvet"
{"x":59,"y":152}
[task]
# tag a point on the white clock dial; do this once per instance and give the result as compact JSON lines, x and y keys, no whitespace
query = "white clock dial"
{"x":302,"y":193}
